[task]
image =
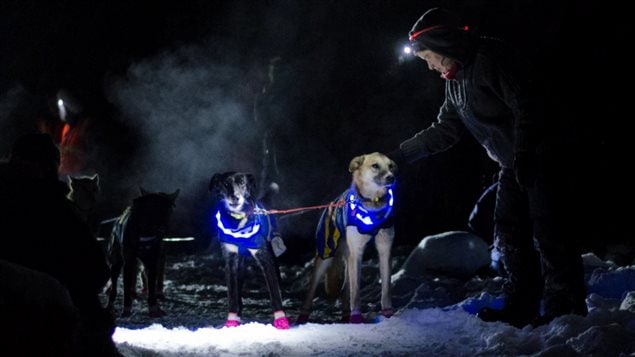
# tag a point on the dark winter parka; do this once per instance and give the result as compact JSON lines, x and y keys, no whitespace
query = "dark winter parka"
{"x":490,"y":97}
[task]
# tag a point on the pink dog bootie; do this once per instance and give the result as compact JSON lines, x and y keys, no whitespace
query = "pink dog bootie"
{"x":232,"y":323}
{"x":280,"y":320}
{"x":233,"y":320}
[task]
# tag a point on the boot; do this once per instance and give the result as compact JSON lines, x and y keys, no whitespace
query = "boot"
{"x":515,"y":317}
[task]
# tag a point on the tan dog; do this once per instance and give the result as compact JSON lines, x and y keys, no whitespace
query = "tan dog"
{"x":361,"y":213}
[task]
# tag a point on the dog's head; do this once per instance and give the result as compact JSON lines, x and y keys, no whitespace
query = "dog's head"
{"x":372,"y":174}
{"x":83,"y":190}
{"x":235,"y":189}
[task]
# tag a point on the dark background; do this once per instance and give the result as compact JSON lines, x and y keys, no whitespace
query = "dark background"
{"x":173,"y":83}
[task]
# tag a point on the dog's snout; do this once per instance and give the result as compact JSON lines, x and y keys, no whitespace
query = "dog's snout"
{"x":390,"y":179}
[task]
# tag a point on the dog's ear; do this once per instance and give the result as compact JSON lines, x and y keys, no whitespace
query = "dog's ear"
{"x":174,"y":195}
{"x":394,"y":167}
{"x":356,"y":163}
{"x":214,"y":182}
{"x":217,"y":181}
{"x":95,"y":178}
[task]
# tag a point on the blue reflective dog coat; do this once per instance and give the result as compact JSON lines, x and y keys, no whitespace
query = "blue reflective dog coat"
{"x":333,"y":221}
{"x":252,"y":235}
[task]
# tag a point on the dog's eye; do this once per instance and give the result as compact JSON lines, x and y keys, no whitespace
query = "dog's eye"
{"x":375,"y":166}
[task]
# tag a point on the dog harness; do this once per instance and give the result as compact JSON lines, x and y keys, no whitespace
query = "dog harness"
{"x":333,"y":222}
{"x":251,"y":235}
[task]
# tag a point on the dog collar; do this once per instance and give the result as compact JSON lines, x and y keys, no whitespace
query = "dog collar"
{"x":368,"y":220}
{"x":246,"y":232}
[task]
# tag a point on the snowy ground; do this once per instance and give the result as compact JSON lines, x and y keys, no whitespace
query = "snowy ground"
{"x":433,"y":317}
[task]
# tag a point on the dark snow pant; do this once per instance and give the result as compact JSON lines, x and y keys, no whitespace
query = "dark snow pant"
{"x":539,"y":255}
{"x":235,"y":270}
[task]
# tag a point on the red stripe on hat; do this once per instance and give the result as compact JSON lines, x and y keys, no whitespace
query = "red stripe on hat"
{"x":414,"y":35}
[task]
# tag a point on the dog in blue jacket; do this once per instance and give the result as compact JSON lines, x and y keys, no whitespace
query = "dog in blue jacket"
{"x":245,"y":230}
{"x":362,"y":213}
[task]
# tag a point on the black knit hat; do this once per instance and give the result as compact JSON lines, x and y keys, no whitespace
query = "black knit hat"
{"x":439,"y":31}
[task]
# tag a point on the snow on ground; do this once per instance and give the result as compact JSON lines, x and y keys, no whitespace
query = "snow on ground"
{"x":433,"y":317}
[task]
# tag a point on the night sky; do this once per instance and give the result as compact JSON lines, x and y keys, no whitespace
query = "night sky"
{"x":173,"y":84}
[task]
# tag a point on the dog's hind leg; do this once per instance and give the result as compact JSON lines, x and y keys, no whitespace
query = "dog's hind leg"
{"x":383,"y":243}
{"x":129,"y":282}
{"x":150,"y":259}
{"x":116,"y":265}
{"x":336,"y":281}
{"x":319,"y":268}
{"x":356,"y":244}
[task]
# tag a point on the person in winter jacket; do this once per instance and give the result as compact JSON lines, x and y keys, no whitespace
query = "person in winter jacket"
{"x":491,"y":94}
{"x":40,"y":230}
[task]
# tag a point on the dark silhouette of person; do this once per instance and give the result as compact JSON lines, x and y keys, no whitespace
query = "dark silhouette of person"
{"x":42,"y":231}
{"x":35,"y":305}
{"x":73,"y":129}
{"x":493,"y":95}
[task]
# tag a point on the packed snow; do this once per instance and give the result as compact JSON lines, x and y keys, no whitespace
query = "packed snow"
{"x":435,"y":315}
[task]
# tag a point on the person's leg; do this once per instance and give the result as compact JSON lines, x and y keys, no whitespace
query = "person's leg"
{"x":562,"y":266}
{"x":513,"y":239}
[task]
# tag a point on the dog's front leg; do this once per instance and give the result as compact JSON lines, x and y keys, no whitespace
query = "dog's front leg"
{"x":356,"y":243}
{"x":266,"y":261}
{"x":383,"y":243}
{"x":233,"y":272}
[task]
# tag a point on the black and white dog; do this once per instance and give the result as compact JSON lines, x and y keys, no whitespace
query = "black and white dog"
{"x":245,"y":231}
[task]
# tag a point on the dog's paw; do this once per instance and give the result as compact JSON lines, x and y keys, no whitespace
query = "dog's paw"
{"x":281,"y":323}
{"x":302,"y":319}
{"x":356,"y":319}
{"x":156,"y":311}
{"x":388,"y":312}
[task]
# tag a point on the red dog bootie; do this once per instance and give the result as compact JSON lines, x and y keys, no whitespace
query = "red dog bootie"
{"x":233,"y":320}
{"x":280,"y":320}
